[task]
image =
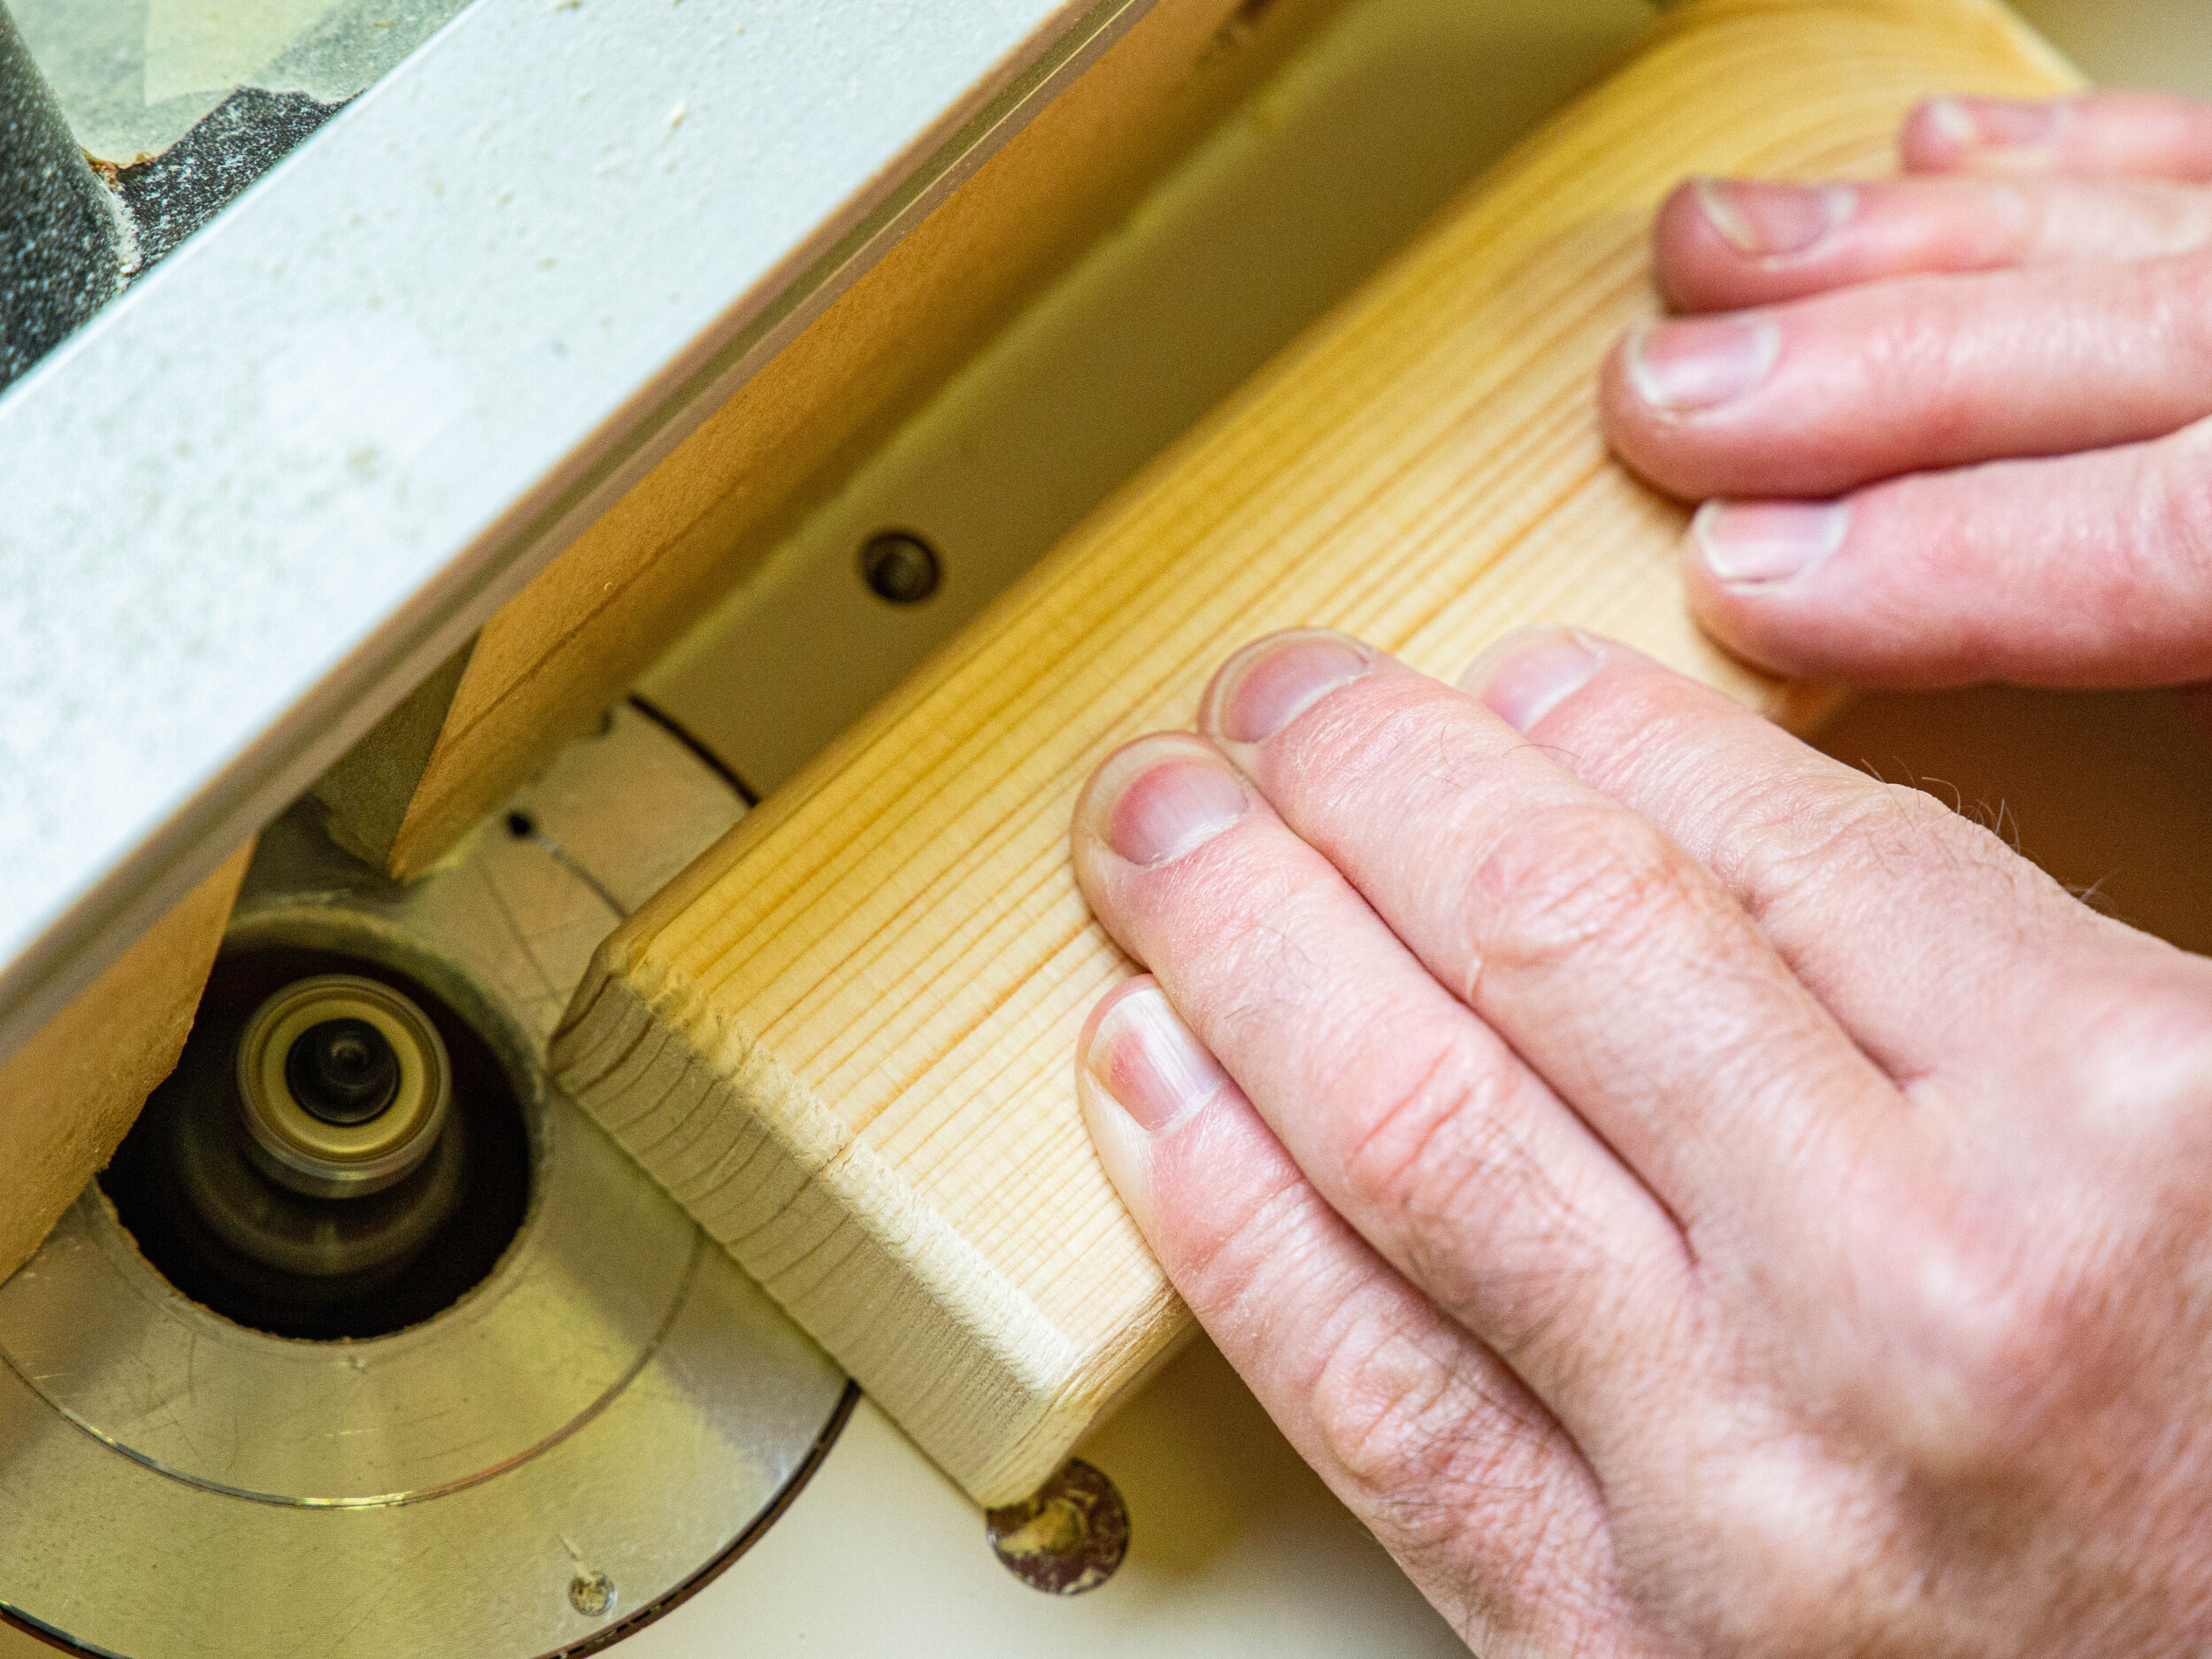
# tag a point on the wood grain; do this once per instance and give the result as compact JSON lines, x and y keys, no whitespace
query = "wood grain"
{"x":69,"y":1094}
{"x":557,"y":653}
{"x":843,"y":1039}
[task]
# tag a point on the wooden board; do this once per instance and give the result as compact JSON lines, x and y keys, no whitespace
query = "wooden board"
{"x":68,"y":1096}
{"x":557,"y":653}
{"x":843,"y":1038}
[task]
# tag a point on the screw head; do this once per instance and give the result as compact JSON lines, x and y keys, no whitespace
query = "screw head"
{"x":1066,"y":1537}
{"x":591,"y":1594}
{"x":900,"y":568}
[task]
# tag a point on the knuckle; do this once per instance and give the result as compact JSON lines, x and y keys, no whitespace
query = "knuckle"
{"x":1908,"y":333}
{"x":2034,"y":1284}
{"x":1560,"y":883}
{"x":2168,"y":304}
{"x":1781,"y":838}
{"x":1456,"y":1470}
{"x":1972,"y":1322}
{"x":2155,"y":1045}
{"x":1415,"y":1145}
{"x":1381,"y":1402}
{"x":1774,"y":1498}
{"x":1413,"y":1431}
{"x":1230,"y":1267}
{"x":1446,"y":1163}
{"x":2171,"y":547}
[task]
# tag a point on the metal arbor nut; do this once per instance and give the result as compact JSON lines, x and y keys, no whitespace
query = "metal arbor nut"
{"x":344,"y":1071}
{"x":314,"y":1146}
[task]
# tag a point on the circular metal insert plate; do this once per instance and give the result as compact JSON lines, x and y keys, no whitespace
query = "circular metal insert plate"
{"x":616,"y":1407}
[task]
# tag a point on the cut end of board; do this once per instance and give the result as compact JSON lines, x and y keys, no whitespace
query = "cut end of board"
{"x":841,"y":1238}
{"x":843,"y":1039}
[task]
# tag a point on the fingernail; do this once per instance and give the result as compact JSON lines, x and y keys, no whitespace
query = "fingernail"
{"x":1266,"y":685}
{"x":1772,"y":221}
{"x":1525,"y":676}
{"x":1163,"y":797}
{"x":1998,"y":123}
{"x":1759,"y":543}
{"x":1149,"y":1064}
{"x":1701,"y":363}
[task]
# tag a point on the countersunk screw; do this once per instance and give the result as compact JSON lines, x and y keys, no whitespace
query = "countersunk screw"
{"x":591,"y":1594}
{"x":1065,"y":1538}
{"x":901,"y":567}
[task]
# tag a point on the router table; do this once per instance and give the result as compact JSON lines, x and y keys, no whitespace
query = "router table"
{"x":402,"y":300}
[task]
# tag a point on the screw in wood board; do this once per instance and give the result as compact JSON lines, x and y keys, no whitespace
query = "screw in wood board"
{"x":900,"y":568}
{"x":1066,"y":1537}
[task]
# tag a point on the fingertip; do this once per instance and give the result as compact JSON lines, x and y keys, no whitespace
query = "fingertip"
{"x":2107,"y":135}
{"x":1156,"y":800}
{"x":1135,"y":985}
{"x":1159,"y":1108}
{"x":1722,"y":244}
{"x":1682,"y":239}
{"x":1702,"y":245}
{"x":1632,"y":430}
{"x":1120,"y":1143}
{"x":1757,"y":547}
{"x":1151,"y":803}
{"x":1752,"y":570}
{"x":1739,"y":626}
{"x":1665,"y":448}
{"x":1268,"y":684}
{"x":1146,"y":1061}
{"x":1872,"y":589}
{"x":1951,"y":134}
{"x":1934,"y":136}
{"x":1525,"y":675}
{"x":1618,"y":406}
{"x":1141,"y":1075}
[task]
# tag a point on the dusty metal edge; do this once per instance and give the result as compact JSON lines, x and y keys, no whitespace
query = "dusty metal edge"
{"x":101,"y":922}
{"x":575,"y":1425}
{"x":840,"y":1415}
{"x":25,"y":1624}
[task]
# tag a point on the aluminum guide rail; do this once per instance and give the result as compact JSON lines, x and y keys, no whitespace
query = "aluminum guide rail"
{"x":253,"y":502}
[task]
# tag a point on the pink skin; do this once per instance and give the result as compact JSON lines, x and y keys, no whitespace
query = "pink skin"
{"x":1686,"y":1196}
{"x":1999,"y":365}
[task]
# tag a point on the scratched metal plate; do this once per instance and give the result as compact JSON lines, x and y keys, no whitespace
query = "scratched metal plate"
{"x":609,"y":1415}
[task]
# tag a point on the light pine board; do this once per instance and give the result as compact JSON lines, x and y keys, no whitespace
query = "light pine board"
{"x":68,"y":1096}
{"x":843,"y":1039}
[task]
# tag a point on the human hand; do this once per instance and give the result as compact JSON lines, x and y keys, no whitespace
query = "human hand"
{"x":1955,"y":423}
{"x":1686,"y":1196}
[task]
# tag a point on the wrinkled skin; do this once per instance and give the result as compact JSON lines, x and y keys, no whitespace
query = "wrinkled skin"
{"x":1687,"y":1197}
